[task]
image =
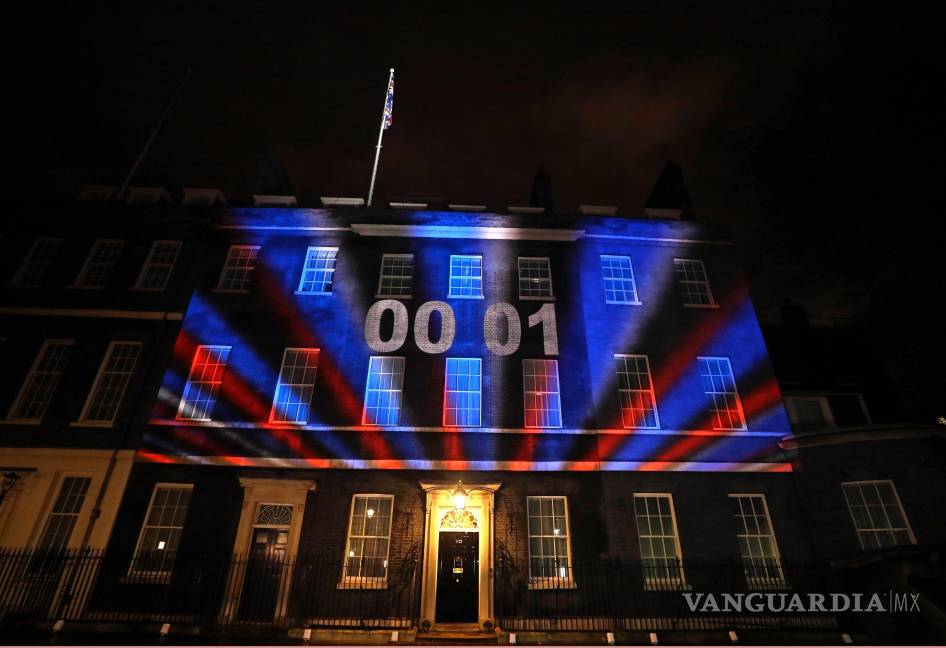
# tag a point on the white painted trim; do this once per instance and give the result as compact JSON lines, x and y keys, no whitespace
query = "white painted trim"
{"x":365,"y":582}
{"x":17,"y":280}
{"x":551,"y":582}
{"x":148,"y":262}
{"x":339,"y":201}
{"x":548,"y":265}
{"x":660,"y":239}
{"x":384,"y":256}
{"x":682,"y":583}
{"x":516,"y":209}
{"x":408,"y":205}
{"x":226,"y":265}
{"x":162,"y":575}
{"x":84,"y":272}
{"x":274,"y":200}
{"x":467,"y":232}
{"x":469,"y":208}
{"x":98,"y":379}
{"x":26,"y":381}
{"x":105,"y":313}
{"x":283,"y":228}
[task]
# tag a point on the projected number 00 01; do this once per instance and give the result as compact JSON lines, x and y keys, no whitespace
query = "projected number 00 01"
{"x":502,"y":328}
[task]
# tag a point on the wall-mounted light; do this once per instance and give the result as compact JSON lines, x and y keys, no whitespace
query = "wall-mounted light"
{"x":370,"y":512}
{"x":459,"y":497}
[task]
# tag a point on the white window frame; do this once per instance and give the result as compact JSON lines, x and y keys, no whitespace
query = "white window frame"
{"x":790,"y":405}
{"x":633,"y":279}
{"x":29,"y":260}
{"x":761,"y":582}
{"x":381,"y":276}
{"x":400,"y":391}
{"x":99,"y":377}
{"x":314,"y":250}
{"x":552,"y":582}
{"x":150,"y":263}
{"x":875,"y":530}
{"x":525,"y":395}
{"x":273,"y":418}
{"x":479,"y":392}
{"x":83,"y":276}
{"x":154,"y":574}
{"x":24,"y":387}
{"x":51,"y":510}
{"x":366,"y":582}
{"x":705,"y":282}
{"x":651,"y":392}
{"x":519,"y":279}
{"x":735,"y":392}
{"x":450,"y":294}
{"x":650,"y":582}
{"x":181,"y":407}
{"x":250,"y":270}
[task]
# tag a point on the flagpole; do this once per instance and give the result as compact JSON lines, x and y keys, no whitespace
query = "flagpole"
{"x":377,"y":152}
{"x":154,"y":132}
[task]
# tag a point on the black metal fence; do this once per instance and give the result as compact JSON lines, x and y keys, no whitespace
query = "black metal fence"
{"x":615,"y":595}
{"x":262,"y":590}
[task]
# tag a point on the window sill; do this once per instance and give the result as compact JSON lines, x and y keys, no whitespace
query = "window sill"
{"x":315,"y":293}
{"x":666,"y":586}
{"x":535,"y":298}
{"x":20,"y":421}
{"x":362,"y":584}
{"x":394,"y":296}
{"x":617,"y":303}
{"x":91,"y":424}
{"x":552,"y":584}
{"x":232,"y":291}
{"x":701,"y":305}
{"x":465,"y":297}
{"x":146,"y":290}
{"x":75,"y":287}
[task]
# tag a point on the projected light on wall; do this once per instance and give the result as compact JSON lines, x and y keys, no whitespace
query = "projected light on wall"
{"x":603,"y":346}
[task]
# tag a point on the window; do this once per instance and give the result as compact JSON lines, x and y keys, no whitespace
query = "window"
{"x":383,"y":391}
{"x":98,"y":265}
{"x":694,"y":283}
{"x":397,"y":276}
{"x":660,"y":545}
{"x":466,"y":277}
{"x":461,"y":398}
{"x":535,"y":278}
{"x":38,"y":388}
{"x":110,"y":383}
{"x":238,"y":268}
{"x":294,"y":386}
{"x":619,"y":284}
{"x":541,"y":392}
{"x":757,"y":546}
{"x":809,"y":413}
{"x":549,"y":550}
{"x":369,"y":537}
{"x":64,"y":514}
{"x":203,"y":382}
{"x":636,"y":391}
{"x":318,"y":272}
{"x":35,"y":267}
{"x":721,"y":395}
{"x":158,"y":266}
{"x":877,"y":514}
{"x":160,"y":534}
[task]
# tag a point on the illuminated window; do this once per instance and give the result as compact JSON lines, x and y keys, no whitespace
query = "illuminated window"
{"x":619,"y":284}
{"x":694,"y":283}
{"x":549,"y":549}
{"x":466,"y":277}
{"x":638,"y":405}
{"x":535,"y":278}
{"x":809,"y":413}
{"x":660,"y":545}
{"x":877,"y":514}
{"x":98,"y":265}
{"x":383,"y":391}
{"x":318,"y":272}
{"x":397,"y":276}
{"x":295,"y":385}
{"x":161,"y":530}
{"x":158,"y":266}
{"x":721,"y":395}
{"x":64,"y":514}
{"x":369,"y":537}
{"x":40,"y":384}
{"x":541,"y":389}
{"x":757,"y":546}
{"x":461,"y":401}
{"x":238,"y":268}
{"x":206,"y":376}
{"x":35,"y":267}
{"x":110,"y":383}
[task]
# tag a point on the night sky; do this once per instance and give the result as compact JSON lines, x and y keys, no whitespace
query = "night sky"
{"x":808,"y":127}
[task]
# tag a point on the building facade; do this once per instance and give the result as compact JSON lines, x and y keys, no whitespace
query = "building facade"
{"x":390,"y":419}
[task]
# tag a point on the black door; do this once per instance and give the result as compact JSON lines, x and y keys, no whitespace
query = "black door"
{"x":263,"y":577}
{"x":458,"y":576}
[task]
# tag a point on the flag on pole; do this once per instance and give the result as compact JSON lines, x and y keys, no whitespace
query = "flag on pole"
{"x":389,"y":103}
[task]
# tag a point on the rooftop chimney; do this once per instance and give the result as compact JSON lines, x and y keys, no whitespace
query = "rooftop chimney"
{"x":541,"y":194}
{"x":203,"y":197}
{"x":267,"y":200}
{"x":338,"y":201}
{"x":147,"y":195}
{"x":669,"y":198}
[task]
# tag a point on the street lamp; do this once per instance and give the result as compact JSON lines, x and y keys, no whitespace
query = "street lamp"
{"x":459,"y":497}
